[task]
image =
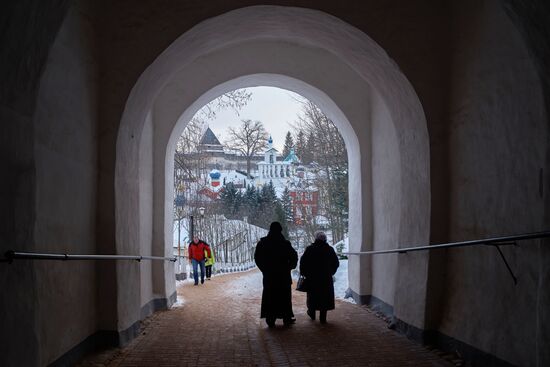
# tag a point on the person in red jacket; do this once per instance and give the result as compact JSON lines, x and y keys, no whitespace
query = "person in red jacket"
{"x":197,"y":250}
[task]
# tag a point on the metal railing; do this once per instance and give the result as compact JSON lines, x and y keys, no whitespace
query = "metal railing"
{"x":493,"y":241}
{"x":10,"y":256}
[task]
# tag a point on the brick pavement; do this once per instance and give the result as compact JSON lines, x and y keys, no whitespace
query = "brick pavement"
{"x":218,"y":324}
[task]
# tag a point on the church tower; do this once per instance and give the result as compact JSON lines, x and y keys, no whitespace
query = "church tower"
{"x":270,"y":155}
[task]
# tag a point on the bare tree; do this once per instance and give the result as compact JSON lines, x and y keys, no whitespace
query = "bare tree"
{"x":249,"y":139}
{"x":329,"y":151}
{"x":189,"y":164}
{"x":234,"y":100}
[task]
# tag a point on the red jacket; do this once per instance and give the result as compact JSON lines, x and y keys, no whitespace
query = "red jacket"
{"x":196,"y":250}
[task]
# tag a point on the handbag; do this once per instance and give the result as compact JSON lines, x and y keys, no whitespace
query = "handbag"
{"x":301,"y":284}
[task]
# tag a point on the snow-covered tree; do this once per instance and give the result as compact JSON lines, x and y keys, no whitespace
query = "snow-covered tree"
{"x":231,"y":200}
{"x":250,"y":203}
{"x":286,"y":202}
{"x":267,"y":202}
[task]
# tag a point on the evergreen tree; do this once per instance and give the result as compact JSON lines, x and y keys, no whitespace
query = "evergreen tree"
{"x":250,"y":196}
{"x":231,"y":200}
{"x":250,"y":204}
{"x":286,"y":202}
{"x":268,"y":193}
{"x":267,"y":201}
{"x":289,"y":144}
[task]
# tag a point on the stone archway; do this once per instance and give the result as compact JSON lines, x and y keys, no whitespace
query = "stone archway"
{"x":314,"y":54}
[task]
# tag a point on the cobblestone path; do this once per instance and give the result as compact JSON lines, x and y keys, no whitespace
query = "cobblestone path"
{"x":218,"y":324}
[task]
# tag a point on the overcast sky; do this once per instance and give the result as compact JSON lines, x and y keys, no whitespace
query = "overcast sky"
{"x":274,"y":107}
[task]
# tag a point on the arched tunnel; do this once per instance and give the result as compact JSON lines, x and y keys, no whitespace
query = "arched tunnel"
{"x":443,"y":107}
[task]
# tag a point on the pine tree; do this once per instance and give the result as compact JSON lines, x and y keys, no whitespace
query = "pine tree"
{"x":267,"y":202}
{"x":268,"y":193}
{"x":250,"y":196}
{"x":289,"y":144}
{"x":231,"y":200}
{"x":250,"y":204}
{"x":286,"y":202}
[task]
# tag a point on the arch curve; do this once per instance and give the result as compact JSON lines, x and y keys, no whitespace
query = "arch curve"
{"x":363,"y":89}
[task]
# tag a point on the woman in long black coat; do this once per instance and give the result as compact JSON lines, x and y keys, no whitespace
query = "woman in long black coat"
{"x":318,"y":264}
{"x":275,"y":258}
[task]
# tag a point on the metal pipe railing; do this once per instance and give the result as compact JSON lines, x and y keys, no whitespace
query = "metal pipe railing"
{"x":500,"y":241}
{"x":496,"y":242}
{"x":14,"y":255}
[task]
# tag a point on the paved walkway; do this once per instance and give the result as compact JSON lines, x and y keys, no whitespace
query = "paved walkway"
{"x":218,"y":324}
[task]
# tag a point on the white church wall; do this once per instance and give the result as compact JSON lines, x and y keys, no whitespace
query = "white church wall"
{"x":386,"y":201}
{"x":146,"y":210}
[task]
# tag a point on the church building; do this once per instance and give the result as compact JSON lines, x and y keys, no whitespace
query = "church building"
{"x":271,"y":168}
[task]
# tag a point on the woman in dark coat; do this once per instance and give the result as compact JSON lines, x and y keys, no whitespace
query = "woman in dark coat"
{"x":318,"y":264}
{"x":275,"y":258}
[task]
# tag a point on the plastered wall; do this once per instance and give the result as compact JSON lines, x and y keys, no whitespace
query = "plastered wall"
{"x":146,"y":211}
{"x":479,"y":89}
{"x":498,"y":138}
{"x":66,"y":180}
{"x":386,"y":201}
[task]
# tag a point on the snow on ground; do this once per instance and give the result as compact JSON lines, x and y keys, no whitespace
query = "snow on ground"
{"x":342,"y":246}
{"x":341,"y":282}
{"x":179,"y":301}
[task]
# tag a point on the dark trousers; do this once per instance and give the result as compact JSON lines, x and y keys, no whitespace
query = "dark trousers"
{"x":196,"y":264}
{"x":322,"y":315}
{"x":208,"y":271}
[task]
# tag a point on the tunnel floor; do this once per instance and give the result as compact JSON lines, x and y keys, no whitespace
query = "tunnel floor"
{"x":218,"y":324}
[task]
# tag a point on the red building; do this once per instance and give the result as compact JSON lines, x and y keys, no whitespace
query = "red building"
{"x":304,"y":204}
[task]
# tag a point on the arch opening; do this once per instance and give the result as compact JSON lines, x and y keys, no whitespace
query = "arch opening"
{"x":297,"y":175}
{"x":347,"y":75}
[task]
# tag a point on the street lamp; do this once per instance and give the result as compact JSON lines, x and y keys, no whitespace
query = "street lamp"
{"x":191,"y":228}
{"x":180,"y":202}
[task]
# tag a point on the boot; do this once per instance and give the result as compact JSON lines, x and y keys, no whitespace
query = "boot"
{"x":323,"y":316}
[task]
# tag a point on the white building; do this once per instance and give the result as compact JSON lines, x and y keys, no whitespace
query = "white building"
{"x":271,"y":168}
